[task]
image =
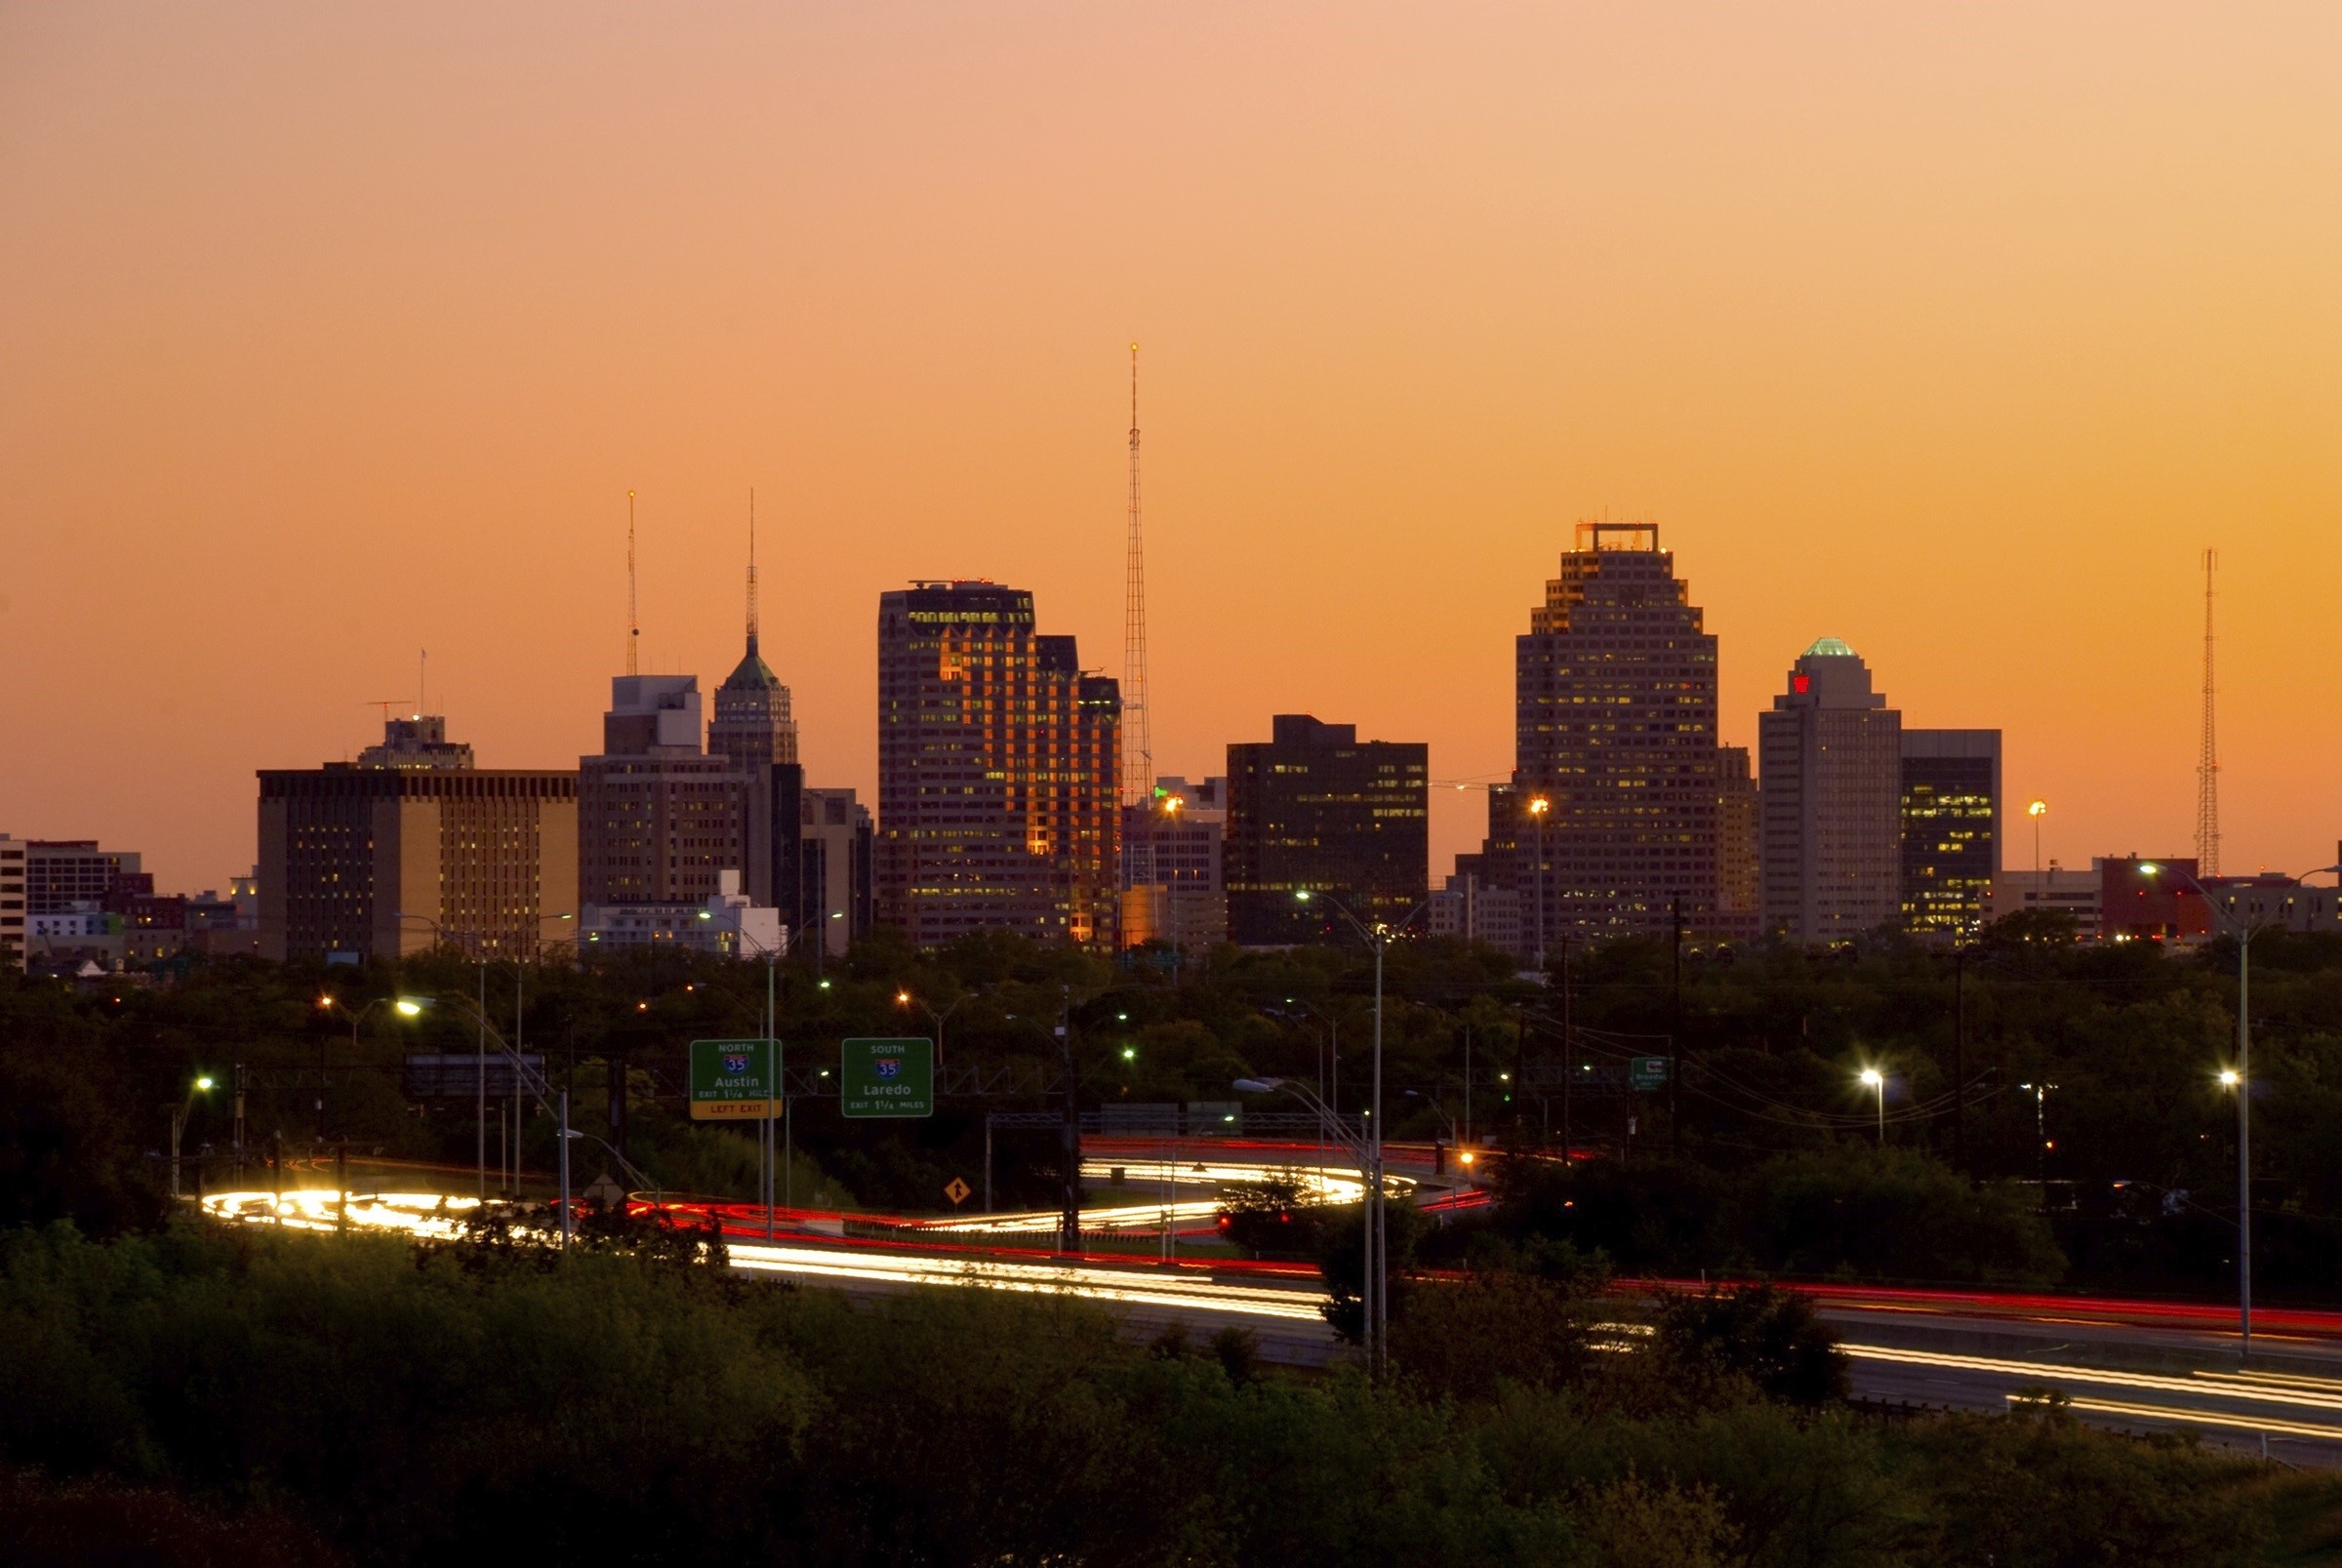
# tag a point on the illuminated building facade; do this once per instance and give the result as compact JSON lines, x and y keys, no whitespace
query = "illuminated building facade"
{"x":1316,"y":808}
{"x":1950,"y":827}
{"x":14,"y":923}
{"x":1614,"y":707}
{"x":1830,"y":795}
{"x":1739,"y":860}
{"x":1173,"y":846}
{"x":364,"y":861}
{"x":998,"y":771}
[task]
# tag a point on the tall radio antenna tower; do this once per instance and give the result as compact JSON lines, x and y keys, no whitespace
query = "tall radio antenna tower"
{"x":2207,"y":765}
{"x":1137,"y":755}
{"x":633,"y":626}
{"x":751,"y":569}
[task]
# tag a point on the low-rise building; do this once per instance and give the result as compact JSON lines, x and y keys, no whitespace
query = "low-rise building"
{"x":727,"y":925}
{"x":2059,"y":890}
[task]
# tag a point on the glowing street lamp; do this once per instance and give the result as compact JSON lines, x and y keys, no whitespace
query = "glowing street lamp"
{"x":1872,"y":1078}
{"x":178,"y":1123}
{"x":1539,"y":807}
{"x":2036,"y":811}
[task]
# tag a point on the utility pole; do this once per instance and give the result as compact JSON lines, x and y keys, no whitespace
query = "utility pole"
{"x":1068,"y":1235}
{"x":1674,"y":1031}
{"x":1569,"y":1066}
{"x":1960,"y":1037}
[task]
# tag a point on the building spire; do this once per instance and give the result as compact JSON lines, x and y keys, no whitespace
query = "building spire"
{"x":751,"y":571}
{"x":634,"y":625}
{"x":2208,"y":760}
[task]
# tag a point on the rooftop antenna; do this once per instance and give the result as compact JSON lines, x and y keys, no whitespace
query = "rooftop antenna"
{"x":633,"y":626}
{"x":423,"y":684}
{"x":751,"y":571}
{"x":1138,"y":755}
{"x":2208,"y":762}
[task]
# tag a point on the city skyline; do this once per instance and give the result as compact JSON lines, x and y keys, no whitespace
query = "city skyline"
{"x":1962,"y":361}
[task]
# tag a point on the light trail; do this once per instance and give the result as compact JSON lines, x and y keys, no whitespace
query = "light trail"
{"x":2199,"y":1418}
{"x":2052,"y":1372}
{"x":1124,"y":1286}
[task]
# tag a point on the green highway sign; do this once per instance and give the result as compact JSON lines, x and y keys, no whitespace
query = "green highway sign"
{"x":1647,"y":1073}
{"x":733,"y":1080}
{"x":886,"y":1078}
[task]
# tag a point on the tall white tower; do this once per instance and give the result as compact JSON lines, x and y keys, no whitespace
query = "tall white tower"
{"x":1138,"y":751}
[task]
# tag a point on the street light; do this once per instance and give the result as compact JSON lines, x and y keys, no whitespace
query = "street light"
{"x":404,"y":1006}
{"x":178,"y":1123}
{"x":2242,"y":931}
{"x":1872,"y":1078}
{"x":1366,"y":1149}
{"x":1377,"y":937}
{"x":1539,"y":805}
{"x":2036,"y":811}
{"x":904,"y":998}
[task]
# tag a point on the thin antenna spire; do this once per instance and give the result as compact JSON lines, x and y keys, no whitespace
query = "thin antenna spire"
{"x":1138,"y":754}
{"x":634,"y":625}
{"x":751,"y":569}
{"x":423,"y":682}
{"x":2208,"y":763}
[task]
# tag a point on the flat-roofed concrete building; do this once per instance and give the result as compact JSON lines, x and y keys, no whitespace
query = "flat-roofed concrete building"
{"x":1738,"y":857}
{"x":1951,"y":813}
{"x":998,"y":771}
{"x":1173,"y":845}
{"x":1829,"y":792}
{"x":835,"y":840}
{"x":375,"y":861}
{"x":658,"y":818}
{"x":2075,"y":892}
{"x":62,"y":874}
{"x":14,"y":919}
{"x":1314,"y":808}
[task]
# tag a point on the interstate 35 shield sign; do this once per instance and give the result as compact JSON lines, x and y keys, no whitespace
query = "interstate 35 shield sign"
{"x":732,"y":1080}
{"x":886,"y":1078}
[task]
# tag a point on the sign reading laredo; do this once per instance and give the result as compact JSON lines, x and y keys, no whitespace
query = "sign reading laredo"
{"x":1647,"y":1073}
{"x":732,"y":1080}
{"x":886,"y":1078}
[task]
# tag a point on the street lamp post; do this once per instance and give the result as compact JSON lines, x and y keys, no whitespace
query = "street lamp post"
{"x":2036,"y":811}
{"x":179,"y":1124}
{"x":1539,"y":806}
{"x":2040,"y":1137}
{"x":1872,"y":1078}
{"x":904,"y":998}
{"x":2242,"y":931}
{"x":1377,"y":937}
{"x":1365,"y":1150}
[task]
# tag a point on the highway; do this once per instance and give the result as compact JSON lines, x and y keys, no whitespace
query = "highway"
{"x":2130,"y":1365}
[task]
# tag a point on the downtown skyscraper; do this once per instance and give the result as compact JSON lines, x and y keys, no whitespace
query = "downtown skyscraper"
{"x":1614,"y":705}
{"x":998,"y":771}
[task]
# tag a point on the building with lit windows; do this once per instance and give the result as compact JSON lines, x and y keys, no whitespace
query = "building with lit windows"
{"x":727,"y":924}
{"x":364,"y":861}
{"x":1830,"y":796}
{"x":15,"y":922}
{"x":1172,"y":847}
{"x":1950,"y":827}
{"x":998,"y":771}
{"x":658,"y":818}
{"x":1739,"y":858}
{"x":1614,"y":725}
{"x":1314,"y":808}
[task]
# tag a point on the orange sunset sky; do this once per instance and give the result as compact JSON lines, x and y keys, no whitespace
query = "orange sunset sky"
{"x":332,"y":332}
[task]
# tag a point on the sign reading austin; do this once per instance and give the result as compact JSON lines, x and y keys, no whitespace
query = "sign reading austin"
{"x":886,"y":1078}
{"x":732,"y":1080}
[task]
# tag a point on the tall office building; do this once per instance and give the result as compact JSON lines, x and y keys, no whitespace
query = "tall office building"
{"x":375,"y":860}
{"x":1316,"y":808}
{"x":755,"y":728}
{"x":15,"y":924}
{"x":1739,"y":862}
{"x":1614,"y":726}
{"x":998,"y":762}
{"x":659,"y":819}
{"x":835,"y":895}
{"x":1830,"y":791}
{"x":1173,"y":841}
{"x":1950,"y":827}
